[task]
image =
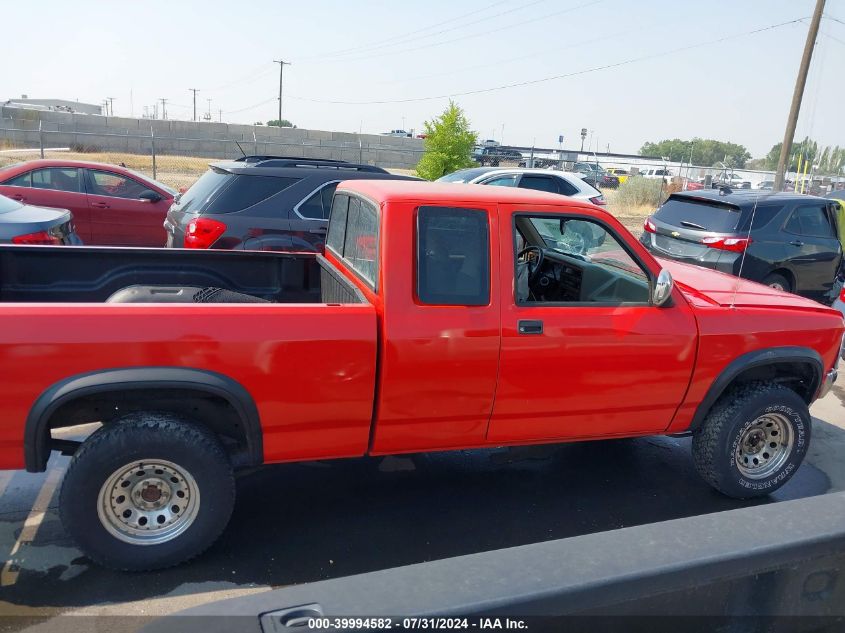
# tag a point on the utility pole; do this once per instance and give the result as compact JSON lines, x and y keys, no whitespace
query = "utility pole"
{"x":282,"y":65}
{"x":195,"y":91}
{"x":220,"y":115}
{"x":800,"y":82}
{"x":111,"y":105}
{"x":163,"y":108}
{"x":208,"y":113}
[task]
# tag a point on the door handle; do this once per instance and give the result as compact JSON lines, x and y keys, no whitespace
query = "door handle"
{"x":19,"y":198}
{"x":797,"y":243}
{"x":100,"y":205}
{"x":530,"y":327}
{"x":322,"y":230}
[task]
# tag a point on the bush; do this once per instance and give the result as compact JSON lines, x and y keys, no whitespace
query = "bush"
{"x":637,"y":191}
{"x":448,"y":144}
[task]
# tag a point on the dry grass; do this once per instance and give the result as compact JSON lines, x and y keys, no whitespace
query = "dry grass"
{"x":631,"y":216}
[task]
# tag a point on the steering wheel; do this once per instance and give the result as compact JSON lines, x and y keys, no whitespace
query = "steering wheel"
{"x":533,"y":271}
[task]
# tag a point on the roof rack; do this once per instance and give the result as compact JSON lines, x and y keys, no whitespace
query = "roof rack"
{"x":257,"y":158}
{"x":291,"y":161}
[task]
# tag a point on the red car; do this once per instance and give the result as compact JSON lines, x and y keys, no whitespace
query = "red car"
{"x":111,"y":205}
{"x":448,"y":317}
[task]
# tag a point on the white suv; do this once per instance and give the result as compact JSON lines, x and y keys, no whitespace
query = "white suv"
{"x":561,"y":182}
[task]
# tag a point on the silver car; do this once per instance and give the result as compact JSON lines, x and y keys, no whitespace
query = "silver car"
{"x":561,"y":182}
{"x":28,"y":224}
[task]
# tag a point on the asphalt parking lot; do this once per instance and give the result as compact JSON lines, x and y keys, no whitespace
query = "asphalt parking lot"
{"x":298,"y":523}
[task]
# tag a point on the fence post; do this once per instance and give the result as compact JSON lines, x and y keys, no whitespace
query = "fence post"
{"x":40,"y":138}
{"x":254,"y":142}
{"x":153,"y":149}
{"x":360,"y":151}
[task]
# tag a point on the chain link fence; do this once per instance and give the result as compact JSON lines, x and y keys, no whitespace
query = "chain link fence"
{"x":178,"y":160}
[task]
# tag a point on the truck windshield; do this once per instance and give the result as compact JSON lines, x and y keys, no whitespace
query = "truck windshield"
{"x":710,"y":216}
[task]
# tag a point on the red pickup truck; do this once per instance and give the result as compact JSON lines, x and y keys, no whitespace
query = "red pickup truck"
{"x":441,"y":317}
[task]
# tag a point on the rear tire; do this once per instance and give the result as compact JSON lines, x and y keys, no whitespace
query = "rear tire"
{"x":752,"y":440}
{"x":147,"y":492}
{"x":778,"y":282}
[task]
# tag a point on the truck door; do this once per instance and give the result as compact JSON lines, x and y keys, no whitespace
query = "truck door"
{"x":584,"y":353}
{"x":440,"y":327}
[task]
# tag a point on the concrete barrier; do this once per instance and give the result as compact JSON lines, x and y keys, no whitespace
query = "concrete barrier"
{"x":28,"y":128}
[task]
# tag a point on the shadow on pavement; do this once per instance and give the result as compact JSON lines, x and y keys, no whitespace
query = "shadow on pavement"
{"x":298,"y":523}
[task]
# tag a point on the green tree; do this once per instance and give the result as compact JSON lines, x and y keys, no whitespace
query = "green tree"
{"x":827,"y":160}
{"x":705,"y":152}
{"x":282,"y":123}
{"x":448,"y":144}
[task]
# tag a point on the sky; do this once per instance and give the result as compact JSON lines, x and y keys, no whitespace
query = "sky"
{"x":627,"y":71}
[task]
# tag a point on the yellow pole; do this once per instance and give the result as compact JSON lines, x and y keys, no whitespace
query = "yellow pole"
{"x":806,"y":170}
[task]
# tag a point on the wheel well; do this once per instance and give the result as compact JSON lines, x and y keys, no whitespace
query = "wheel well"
{"x":212,"y":411}
{"x":798,"y":376}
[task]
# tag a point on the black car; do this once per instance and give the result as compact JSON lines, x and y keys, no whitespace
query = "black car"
{"x":29,"y":224}
{"x":265,"y":203}
{"x":494,"y":156}
{"x":792,"y":244}
{"x":596,"y":175}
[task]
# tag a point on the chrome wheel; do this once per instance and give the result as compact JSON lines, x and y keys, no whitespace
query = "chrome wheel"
{"x":777,"y":286}
{"x":764,"y":446}
{"x":148,"y":502}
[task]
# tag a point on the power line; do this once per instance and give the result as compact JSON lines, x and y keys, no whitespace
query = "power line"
{"x":403,"y":36}
{"x":485,"y":33}
{"x":252,"y":107}
{"x":531,"y":82}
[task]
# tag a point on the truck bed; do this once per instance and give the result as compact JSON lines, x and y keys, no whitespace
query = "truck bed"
{"x":48,"y":274}
{"x":307,"y":358}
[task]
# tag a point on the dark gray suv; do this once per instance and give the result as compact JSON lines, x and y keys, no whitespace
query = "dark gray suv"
{"x":264,"y":203}
{"x":784,"y":240}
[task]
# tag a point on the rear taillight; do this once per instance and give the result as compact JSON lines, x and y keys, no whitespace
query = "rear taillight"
{"x":842,"y":295}
{"x":202,"y":232}
{"x":599,"y":200}
{"x":733,"y":244}
{"x":41,"y":237}
{"x":649,"y":227}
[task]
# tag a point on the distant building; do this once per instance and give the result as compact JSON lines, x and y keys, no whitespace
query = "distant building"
{"x":58,"y":105}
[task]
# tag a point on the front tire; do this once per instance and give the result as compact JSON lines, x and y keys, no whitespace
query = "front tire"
{"x":147,"y":492}
{"x":753,"y":440}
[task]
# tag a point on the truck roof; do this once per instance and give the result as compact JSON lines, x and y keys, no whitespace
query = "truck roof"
{"x":441,"y":192}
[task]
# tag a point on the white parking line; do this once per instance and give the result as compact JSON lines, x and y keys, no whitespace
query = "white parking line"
{"x":9,"y":575}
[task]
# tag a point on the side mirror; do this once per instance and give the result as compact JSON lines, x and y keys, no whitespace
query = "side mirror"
{"x":150,"y":196}
{"x":662,"y":292}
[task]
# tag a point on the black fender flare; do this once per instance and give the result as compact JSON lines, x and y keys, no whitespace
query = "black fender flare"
{"x":37,"y":430}
{"x":759,"y":358}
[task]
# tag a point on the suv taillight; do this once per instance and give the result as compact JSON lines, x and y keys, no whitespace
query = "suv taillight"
{"x":202,"y":232}
{"x":733,"y":244}
{"x":649,"y":227}
{"x":41,"y":237}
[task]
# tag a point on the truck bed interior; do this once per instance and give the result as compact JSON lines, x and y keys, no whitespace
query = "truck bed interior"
{"x":61,"y":274}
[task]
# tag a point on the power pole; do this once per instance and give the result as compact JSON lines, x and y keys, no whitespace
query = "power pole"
{"x":163,"y":108}
{"x":208,"y":114}
{"x":195,"y":91}
{"x":111,"y":105}
{"x":220,"y":115}
{"x":282,"y":65}
{"x":795,"y":108}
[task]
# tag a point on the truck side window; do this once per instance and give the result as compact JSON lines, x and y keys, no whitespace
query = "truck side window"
{"x":337,"y":225}
{"x":453,"y":256}
{"x":360,"y":247}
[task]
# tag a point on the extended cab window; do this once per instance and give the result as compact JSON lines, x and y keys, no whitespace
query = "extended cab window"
{"x":360,"y":244}
{"x":453,"y":256}
{"x":574,"y":261}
